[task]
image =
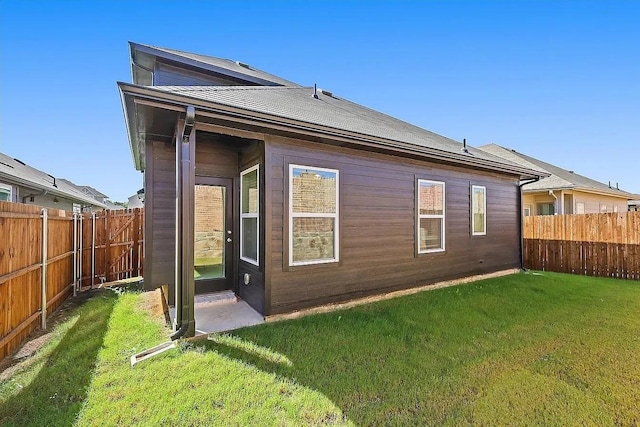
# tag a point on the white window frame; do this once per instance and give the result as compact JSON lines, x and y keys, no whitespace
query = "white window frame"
{"x":335,"y":216}
{"x":527,"y":210}
{"x":473,"y":232}
{"x":440,"y":216}
{"x":10,"y":188}
{"x":255,"y":215}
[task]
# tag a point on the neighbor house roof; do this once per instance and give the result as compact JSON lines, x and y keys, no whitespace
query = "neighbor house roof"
{"x":235,"y":69}
{"x":17,"y":172}
{"x":86,"y":189}
{"x":332,"y":115}
{"x":559,"y":179}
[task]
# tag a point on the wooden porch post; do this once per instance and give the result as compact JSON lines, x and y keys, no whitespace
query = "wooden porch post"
{"x":184,"y":325}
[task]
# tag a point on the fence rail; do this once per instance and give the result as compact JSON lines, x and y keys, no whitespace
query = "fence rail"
{"x":603,"y":245}
{"x":46,"y":256}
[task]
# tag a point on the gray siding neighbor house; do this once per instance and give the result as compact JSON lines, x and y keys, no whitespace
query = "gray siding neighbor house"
{"x":293,"y":197}
{"x":21,"y":183}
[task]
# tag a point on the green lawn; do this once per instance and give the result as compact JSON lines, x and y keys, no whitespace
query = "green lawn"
{"x":542,"y":349}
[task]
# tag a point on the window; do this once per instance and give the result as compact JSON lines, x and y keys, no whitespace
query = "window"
{"x":579,"y":207}
{"x":249,"y":215}
{"x":5,"y":193}
{"x":603,"y":208}
{"x":313,"y":215}
{"x":527,"y":210}
{"x":478,"y":210}
{"x":545,"y":209}
{"x":430,"y":216}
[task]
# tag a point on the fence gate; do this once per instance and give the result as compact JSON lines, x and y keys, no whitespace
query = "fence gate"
{"x":111,"y":245}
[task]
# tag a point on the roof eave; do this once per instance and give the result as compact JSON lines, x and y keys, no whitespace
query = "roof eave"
{"x":131,"y":125}
{"x":266,"y":120}
{"x":603,"y":192}
{"x":50,"y":190}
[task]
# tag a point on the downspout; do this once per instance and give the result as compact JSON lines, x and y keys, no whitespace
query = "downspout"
{"x":522,"y":184}
{"x":556,"y":208}
{"x":185,"y":187}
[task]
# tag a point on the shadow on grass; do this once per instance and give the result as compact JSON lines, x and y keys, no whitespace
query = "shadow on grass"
{"x":56,"y":394}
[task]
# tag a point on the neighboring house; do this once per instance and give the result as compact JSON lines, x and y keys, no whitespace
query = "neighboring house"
{"x":563,"y":191}
{"x":21,"y":183}
{"x":92,"y":192}
{"x":634,"y":205}
{"x":297,"y":197}
{"x":96,"y":195}
{"x":137,"y":200}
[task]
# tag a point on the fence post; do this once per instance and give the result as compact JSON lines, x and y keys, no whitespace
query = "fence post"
{"x":107,"y":246}
{"x":135,"y":269}
{"x":75,"y":254}
{"x":81,"y":250}
{"x":93,"y":248}
{"x":43,"y":276}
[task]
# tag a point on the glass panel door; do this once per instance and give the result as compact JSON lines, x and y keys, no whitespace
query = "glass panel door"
{"x":210,"y":232}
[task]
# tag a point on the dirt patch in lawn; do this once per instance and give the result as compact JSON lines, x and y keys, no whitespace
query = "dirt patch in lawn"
{"x":152,"y":303}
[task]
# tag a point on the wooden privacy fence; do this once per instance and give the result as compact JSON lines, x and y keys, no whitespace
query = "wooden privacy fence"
{"x":111,"y":245}
{"x":603,"y":245}
{"x":48,"y":254}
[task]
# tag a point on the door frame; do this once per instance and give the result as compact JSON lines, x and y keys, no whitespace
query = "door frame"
{"x":228,"y":282}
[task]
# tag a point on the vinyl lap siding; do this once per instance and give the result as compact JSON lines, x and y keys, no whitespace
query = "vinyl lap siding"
{"x":377,"y":226}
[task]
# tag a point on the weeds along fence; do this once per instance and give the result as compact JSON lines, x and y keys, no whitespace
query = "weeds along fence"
{"x":48,"y":254}
{"x":602,"y":245}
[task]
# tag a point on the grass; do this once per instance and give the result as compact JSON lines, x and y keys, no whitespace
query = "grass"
{"x":208,"y":268}
{"x":525,"y":349}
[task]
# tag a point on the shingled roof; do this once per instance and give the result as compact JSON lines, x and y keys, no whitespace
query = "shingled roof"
{"x":326,"y":109}
{"x":559,"y":179}
{"x":17,"y":172}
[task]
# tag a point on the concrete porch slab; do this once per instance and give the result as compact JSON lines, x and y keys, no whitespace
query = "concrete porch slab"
{"x":221,"y":312}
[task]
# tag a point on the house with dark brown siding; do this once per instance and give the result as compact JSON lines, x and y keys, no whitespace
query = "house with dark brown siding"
{"x":294,"y":197}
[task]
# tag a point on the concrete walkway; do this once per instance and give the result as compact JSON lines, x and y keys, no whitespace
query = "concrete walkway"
{"x":221,"y":312}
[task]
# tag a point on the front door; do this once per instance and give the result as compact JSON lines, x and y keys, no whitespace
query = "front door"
{"x":213,"y":247}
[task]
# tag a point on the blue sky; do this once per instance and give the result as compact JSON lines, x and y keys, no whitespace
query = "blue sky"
{"x":559,"y":81}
